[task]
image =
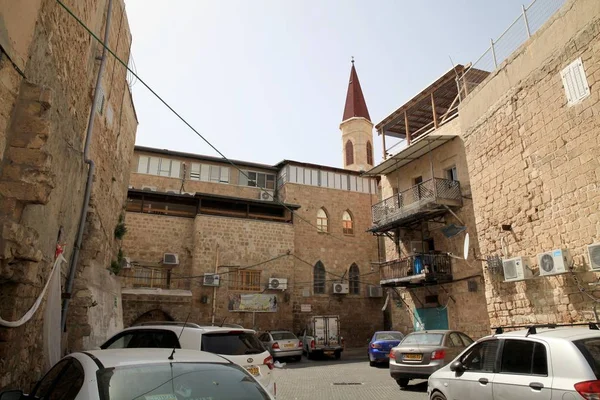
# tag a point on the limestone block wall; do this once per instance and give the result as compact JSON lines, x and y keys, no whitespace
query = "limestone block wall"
{"x":360,"y":315}
{"x":533,"y":163}
{"x":43,"y":120}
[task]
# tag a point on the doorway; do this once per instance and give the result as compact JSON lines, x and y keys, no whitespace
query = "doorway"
{"x":430,"y":318}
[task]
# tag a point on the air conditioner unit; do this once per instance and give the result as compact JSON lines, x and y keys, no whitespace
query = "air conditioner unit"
{"x":277,"y":283}
{"x":375,"y":291}
{"x":126,"y":262}
{"x":190,"y":193}
{"x":149,"y":188}
{"x":516,"y":269}
{"x":594,"y":255}
{"x":170,"y":259}
{"x":211,"y":279}
{"x":340,"y":288}
{"x":554,"y":262}
{"x":266,"y":195}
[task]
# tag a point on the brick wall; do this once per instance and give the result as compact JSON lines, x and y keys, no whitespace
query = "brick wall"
{"x":534,"y":164}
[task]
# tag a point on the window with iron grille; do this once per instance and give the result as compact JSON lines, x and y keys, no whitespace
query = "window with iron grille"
{"x":244,"y":280}
{"x":347,"y":223}
{"x":319,"y":278}
{"x":353,"y":279}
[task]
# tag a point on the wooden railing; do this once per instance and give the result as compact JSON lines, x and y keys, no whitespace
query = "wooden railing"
{"x":152,"y":278}
{"x":412,"y":200}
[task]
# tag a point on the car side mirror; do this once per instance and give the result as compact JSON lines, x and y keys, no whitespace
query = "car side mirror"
{"x":12,"y":395}
{"x":456,"y":366}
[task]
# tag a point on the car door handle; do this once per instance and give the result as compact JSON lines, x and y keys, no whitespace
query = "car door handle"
{"x":483,"y":381}
{"x":536,"y":385}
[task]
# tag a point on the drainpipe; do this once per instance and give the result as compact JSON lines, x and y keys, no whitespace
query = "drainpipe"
{"x":90,"y":176}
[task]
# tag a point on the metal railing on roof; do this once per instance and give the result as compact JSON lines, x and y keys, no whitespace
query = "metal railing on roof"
{"x":531,"y":19}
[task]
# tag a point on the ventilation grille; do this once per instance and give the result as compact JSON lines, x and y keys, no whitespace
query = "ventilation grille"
{"x":547,"y":263}
{"x":575,"y":82}
{"x":594,"y":254}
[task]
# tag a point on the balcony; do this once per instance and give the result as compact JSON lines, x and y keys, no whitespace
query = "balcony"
{"x":428,"y":199}
{"x":152,"y":278}
{"x":417,"y":269}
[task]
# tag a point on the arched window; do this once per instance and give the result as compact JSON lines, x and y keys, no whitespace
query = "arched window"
{"x":349,"y":153}
{"x":347,"y":223}
{"x":319,"y":278}
{"x":353,"y":279}
{"x":322,"y":220}
{"x":369,"y":153}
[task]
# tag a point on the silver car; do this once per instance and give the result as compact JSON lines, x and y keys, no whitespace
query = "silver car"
{"x":538,"y":363}
{"x":282,"y":344}
{"x":422,"y":353}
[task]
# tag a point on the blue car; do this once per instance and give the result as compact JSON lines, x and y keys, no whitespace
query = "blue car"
{"x":380,"y":345}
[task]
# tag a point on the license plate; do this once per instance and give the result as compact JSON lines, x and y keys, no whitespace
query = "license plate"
{"x":289,"y":345}
{"x":328,"y":353}
{"x":414,"y":357}
{"x":253,"y":370}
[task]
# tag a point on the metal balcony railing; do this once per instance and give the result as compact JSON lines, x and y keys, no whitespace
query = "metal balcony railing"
{"x":425,"y":196}
{"x":416,"y":268}
{"x":151,"y":278}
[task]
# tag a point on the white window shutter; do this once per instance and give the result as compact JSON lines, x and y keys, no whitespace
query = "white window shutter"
{"x":143,"y":164}
{"x":175,"y":169}
{"x":575,"y":82}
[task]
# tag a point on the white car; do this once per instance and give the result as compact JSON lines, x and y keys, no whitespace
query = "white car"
{"x":149,"y":374}
{"x":538,"y":363}
{"x":239,"y":345}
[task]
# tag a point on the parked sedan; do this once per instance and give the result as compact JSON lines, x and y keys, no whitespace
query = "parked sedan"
{"x":144,"y":374}
{"x":422,"y":353}
{"x":380,"y":345}
{"x":282,"y":344}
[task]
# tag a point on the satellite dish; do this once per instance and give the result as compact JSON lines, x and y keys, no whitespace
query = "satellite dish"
{"x":466,"y":246}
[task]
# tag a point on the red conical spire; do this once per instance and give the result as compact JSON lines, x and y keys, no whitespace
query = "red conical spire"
{"x":355,"y":101}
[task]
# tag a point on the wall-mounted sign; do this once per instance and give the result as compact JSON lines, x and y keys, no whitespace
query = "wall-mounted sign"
{"x":256,"y":302}
{"x":305,"y":308}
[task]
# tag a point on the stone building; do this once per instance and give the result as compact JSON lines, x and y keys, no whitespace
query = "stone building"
{"x":48,"y":70}
{"x":532,"y":145}
{"x":425,"y":213}
{"x":281,"y":238}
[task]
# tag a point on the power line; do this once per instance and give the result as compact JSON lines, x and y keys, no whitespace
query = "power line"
{"x":189,"y":125}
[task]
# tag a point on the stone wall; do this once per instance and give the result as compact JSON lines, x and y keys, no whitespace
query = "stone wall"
{"x":360,"y":315}
{"x":533,"y":163}
{"x":43,"y":174}
{"x":466,"y":310}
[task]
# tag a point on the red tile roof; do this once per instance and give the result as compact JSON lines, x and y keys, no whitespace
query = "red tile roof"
{"x":355,"y":101}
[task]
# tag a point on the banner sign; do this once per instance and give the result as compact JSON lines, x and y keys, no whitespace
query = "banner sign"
{"x":256,"y":302}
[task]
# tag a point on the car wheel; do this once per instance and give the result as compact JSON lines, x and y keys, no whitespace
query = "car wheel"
{"x":403,"y":382}
{"x":338,"y":355}
{"x":372,"y":363}
{"x":438,"y":396}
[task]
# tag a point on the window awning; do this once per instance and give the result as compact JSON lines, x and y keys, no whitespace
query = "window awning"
{"x":417,"y":149}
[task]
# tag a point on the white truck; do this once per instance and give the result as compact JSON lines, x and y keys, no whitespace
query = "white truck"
{"x":322,"y":337}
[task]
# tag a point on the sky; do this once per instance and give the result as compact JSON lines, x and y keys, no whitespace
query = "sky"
{"x":266,"y":80}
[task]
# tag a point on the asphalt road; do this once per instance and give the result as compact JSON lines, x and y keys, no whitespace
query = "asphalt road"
{"x":348,"y":378}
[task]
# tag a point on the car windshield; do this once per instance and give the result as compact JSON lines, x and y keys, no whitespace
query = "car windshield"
{"x":434,"y":339}
{"x":389,"y":336}
{"x":283,"y":336}
{"x":173,"y":381}
{"x":232,"y":343}
{"x":590,"y":348}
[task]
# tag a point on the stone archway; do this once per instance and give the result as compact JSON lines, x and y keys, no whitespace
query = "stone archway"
{"x":153,"y":315}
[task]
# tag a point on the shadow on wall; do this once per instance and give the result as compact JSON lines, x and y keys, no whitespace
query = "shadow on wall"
{"x":152,"y":315}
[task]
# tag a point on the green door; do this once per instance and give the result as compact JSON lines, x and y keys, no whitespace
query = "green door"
{"x":430,"y":318}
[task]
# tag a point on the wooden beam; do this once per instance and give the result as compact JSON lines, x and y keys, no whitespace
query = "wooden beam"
{"x":406,"y":127}
{"x":435,"y":118}
{"x":384,"y":150}
{"x":450,"y":108}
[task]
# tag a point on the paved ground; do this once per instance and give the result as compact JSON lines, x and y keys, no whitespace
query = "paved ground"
{"x":330,"y":380}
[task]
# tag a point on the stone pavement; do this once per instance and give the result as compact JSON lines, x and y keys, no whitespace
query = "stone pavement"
{"x":349,"y":378}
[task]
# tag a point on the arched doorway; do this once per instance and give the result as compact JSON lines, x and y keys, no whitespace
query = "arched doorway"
{"x":152,"y":315}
